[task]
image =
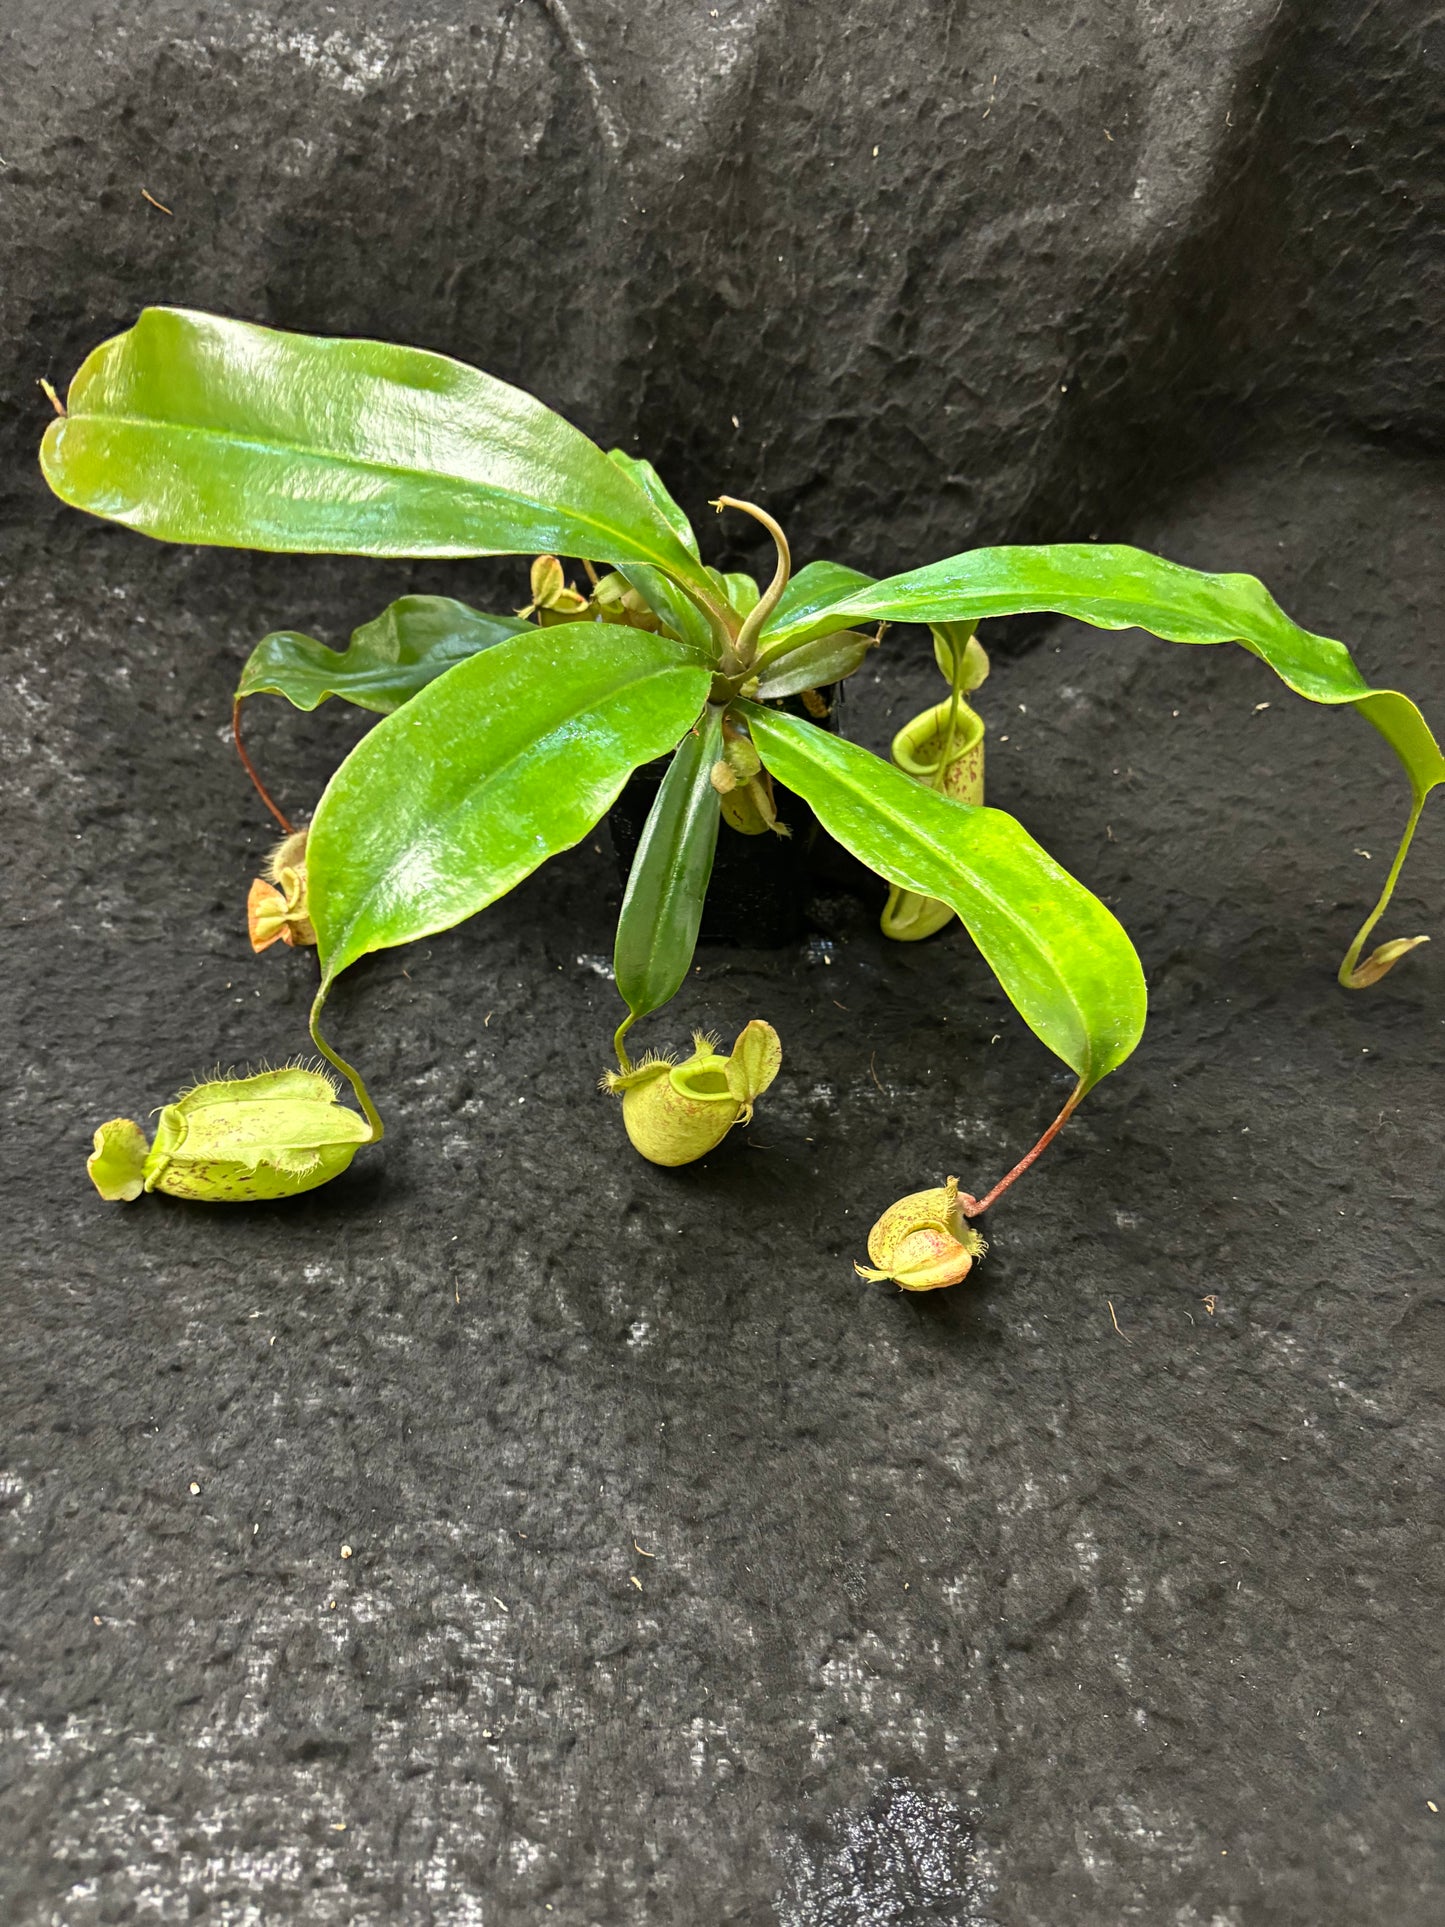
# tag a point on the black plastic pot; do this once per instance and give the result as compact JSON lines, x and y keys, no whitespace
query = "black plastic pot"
{"x":761,"y":885}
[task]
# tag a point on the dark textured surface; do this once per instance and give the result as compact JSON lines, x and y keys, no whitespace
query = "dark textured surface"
{"x":963,"y":1610}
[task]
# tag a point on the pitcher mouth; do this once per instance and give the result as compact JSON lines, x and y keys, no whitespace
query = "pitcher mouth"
{"x":704,"y":1083}
{"x":919,"y":744}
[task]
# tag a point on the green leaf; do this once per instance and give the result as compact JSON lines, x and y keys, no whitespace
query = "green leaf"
{"x":678,"y":611}
{"x":193,"y":428}
{"x":824,"y":660}
{"x":1063,"y":958}
{"x":510,"y":757}
{"x":661,"y":912}
{"x":655,"y":489}
{"x":786,"y":668}
{"x":818,"y":586}
{"x":742,"y":592}
{"x":1114,"y":587}
{"x":407,"y":646}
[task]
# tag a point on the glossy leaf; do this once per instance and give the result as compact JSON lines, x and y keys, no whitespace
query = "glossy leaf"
{"x":410,"y":644}
{"x":499,"y":764}
{"x":661,"y":912}
{"x":1114,"y":587}
{"x":1062,"y":957}
{"x":824,"y":660}
{"x":193,"y":428}
{"x":742,"y":592}
{"x":678,"y":611}
{"x":818,"y":586}
{"x":655,"y":489}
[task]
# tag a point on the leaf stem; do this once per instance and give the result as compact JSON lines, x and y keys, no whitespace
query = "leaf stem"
{"x":975,"y":1207}
{"x":352,"y":1076}
{"x":1349,"y":977}
{"x":959,"y":651}
{"x":745,"y":642}
{"x":250,"y":768}
{"x":623,"y":1060}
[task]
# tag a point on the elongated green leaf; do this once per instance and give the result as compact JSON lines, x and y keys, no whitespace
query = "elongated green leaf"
{"x":661,"y":912}
{"x":818,"y":586}
{"x":824,"y":660}
{"x":1061,"y":956}
{"x":410,"y":644}
{"x":510,"y":757}
{"x":1114,"y":587}
{"x":193,"y":428}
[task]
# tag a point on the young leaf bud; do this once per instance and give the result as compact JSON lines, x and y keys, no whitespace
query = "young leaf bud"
{"x":908,"y":917}
{"x":923,"y":1241}
{"x":740,"y":756}
{"x":276,"y":909}
{"x":233,"y":1141}
{"x":675,"y":1113}
{"x":548,"y":581}
{"x":1380,"y":962}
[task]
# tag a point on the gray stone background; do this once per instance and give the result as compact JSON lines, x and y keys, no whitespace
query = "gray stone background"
{"x":972,"y":1609}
